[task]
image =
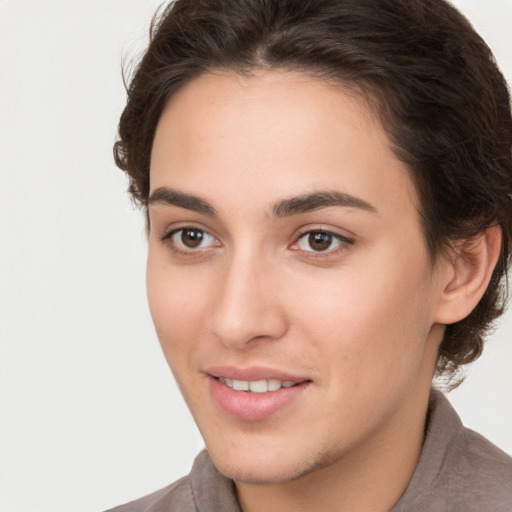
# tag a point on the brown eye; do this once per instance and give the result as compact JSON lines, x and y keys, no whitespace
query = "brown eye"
{"x":319,"y":241}
{"x":192,"y":238}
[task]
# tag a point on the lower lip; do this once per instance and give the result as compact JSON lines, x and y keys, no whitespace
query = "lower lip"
{"x":245,"y":405}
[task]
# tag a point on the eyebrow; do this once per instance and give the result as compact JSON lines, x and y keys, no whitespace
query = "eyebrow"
{"x":164,"y":195}
{"x":285,"y":208}
{"x":317,"y":200}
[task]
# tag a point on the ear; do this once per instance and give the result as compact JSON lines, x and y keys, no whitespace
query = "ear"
{"x":467,"y":275}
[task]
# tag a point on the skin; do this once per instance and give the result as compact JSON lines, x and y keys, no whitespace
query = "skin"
{"x":360,"y":320}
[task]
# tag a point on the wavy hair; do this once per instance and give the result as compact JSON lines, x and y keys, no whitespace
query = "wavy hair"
{"x":430,"y":77}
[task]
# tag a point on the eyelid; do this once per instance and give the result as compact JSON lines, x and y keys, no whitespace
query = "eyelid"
{"x":345,"y":241}
{"x":168,"y":235}
{"x":169,"y":230}
{"x":333,"y":239}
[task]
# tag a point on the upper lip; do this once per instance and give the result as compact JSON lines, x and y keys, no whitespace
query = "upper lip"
{"x":253,"y":373}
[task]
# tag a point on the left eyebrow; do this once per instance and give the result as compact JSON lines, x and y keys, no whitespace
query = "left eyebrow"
{"x":317,"y":200}
{"x":164,"y":195}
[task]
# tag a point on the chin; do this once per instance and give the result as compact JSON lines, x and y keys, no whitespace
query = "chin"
{"x":252,"y":474}
{"x":271,"y":469}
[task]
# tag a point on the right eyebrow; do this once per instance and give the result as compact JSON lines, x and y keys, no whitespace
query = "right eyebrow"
{"x":318,"y":200}
{"x":165,"y":195}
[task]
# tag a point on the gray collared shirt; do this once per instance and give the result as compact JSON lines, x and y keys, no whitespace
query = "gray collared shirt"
{"x":458,"y":471}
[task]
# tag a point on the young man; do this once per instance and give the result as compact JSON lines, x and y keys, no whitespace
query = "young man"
{"x":328,"y":192}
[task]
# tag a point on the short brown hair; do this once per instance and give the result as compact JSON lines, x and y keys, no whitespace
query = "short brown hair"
{"x":435,"y":83}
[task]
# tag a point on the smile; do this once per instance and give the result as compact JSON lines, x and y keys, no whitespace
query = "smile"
{"x":257,"y":386}
{"x":255,"y":394}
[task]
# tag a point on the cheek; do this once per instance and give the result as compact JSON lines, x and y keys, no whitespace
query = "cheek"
{"x":177,"y":302}
{"x":369,"y":318}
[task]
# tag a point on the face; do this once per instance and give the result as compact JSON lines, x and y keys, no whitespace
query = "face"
{"x":288,"y":278}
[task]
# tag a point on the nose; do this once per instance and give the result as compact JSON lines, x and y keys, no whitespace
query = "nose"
{"x":247,"y":308}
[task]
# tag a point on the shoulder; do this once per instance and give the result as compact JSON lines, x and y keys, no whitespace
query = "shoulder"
{"x":482,"y":471}
{"x":178,"y":495}
{"x":458,"y":468}
{"x":474,"y":469}
{"x":204,"y":489}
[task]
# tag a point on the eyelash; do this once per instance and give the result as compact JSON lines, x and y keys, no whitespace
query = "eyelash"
{"x":343,"y":243}
{"x":168,"y":239}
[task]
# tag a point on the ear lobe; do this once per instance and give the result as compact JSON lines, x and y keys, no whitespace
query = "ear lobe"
{"x":469,"y":274}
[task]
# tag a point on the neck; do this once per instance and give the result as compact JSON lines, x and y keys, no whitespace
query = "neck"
{"x":370,"y":477}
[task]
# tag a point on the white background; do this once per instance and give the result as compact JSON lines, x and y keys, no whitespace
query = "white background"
{"x":90,"y":416}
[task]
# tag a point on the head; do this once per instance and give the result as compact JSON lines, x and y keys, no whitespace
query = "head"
{"x":420,"y":66}
{"x":421,"y":108}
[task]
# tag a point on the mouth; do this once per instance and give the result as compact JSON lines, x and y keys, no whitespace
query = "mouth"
{"x":255,"y":394}
{"x":257,"y":386}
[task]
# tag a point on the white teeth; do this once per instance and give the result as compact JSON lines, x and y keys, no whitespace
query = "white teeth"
{"x":274,"y":385}
{"x":240,"y":385}
{"x":257,"y":386}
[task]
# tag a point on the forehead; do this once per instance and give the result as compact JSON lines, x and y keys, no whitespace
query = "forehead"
{"x":271,"y":135}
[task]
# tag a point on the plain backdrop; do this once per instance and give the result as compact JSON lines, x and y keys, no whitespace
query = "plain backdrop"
{"x":90,"y":415}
